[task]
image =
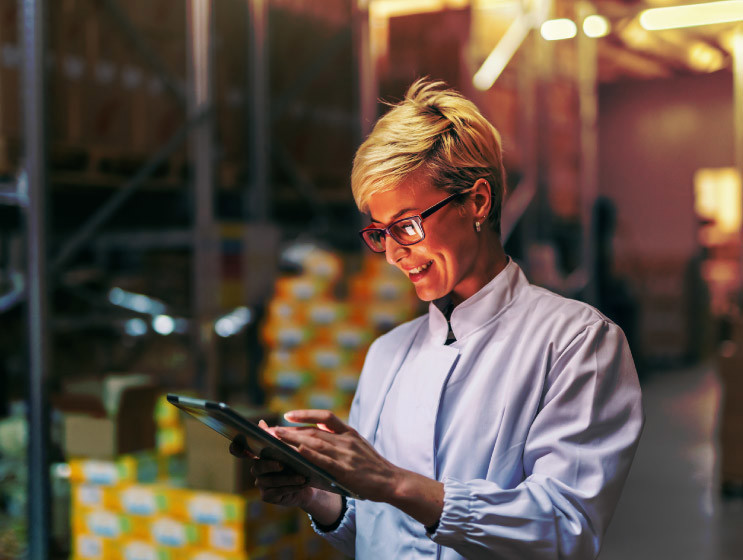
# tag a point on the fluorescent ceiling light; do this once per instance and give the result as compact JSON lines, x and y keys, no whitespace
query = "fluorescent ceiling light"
{"x":499,"y":57}
{"x":596,"y":26}
{"x":558,"y":29}
{"x":692,"y":15}
{"x":391,"y":8}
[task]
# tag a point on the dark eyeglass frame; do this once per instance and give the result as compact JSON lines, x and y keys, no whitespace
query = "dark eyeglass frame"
{"x":418,"y":218}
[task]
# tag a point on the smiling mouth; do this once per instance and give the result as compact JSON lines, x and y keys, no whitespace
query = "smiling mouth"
{"x":420,"y":269}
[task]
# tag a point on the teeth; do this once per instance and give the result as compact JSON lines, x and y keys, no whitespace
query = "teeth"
{"x":420,"y":268}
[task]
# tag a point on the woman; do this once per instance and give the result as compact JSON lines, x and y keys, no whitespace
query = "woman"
{"x":502,"y":424}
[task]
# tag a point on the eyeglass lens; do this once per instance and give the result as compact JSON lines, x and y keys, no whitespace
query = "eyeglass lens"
{"x":405,"y":232}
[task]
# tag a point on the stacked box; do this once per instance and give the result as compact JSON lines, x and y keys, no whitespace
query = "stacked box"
{"x":317,"y":341}
{"x":130,"y":521}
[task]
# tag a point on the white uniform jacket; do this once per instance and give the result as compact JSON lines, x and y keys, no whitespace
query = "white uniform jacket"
{"x":530,"y":419}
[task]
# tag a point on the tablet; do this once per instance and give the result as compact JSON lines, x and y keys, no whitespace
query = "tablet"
{"x":221,"y":418}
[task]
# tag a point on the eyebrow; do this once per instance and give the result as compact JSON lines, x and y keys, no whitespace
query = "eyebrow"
{"x":395,"y":217}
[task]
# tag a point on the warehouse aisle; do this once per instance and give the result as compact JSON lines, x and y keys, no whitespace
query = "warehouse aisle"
{"x":671,"y":506}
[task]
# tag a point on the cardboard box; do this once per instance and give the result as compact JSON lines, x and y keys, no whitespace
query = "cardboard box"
{"x":90,"y":430}
{"x":209,"y":465}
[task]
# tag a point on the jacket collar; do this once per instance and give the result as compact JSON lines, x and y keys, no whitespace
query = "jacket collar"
{"x":479,"y":309}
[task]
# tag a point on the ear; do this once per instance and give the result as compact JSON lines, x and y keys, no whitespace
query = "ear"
{"x":481,"y":199}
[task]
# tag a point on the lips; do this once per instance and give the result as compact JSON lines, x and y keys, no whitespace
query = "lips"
{"x":415,"y":274}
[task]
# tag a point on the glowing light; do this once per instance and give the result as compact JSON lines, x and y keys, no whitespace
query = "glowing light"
{"x":718,"y":199}
{"x":393,"y":8}
{"x":558,"y":29}
{"x":596,"y":26}
{"x":233,"y":323}
{"x":135,"y":302}
{"x":498,"y":59}
{"x":62,"y":470}
{"x":692,"y":15}
{"x":116,"y":296}
{"x":135,"y":327}
{"x":705,"y":57}
{"x":163,"y":324}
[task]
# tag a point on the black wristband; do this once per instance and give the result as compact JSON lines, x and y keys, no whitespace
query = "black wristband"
{"x":337,"y":523}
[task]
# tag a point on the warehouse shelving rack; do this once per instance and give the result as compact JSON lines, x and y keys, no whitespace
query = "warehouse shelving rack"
{"x":30,"y":190}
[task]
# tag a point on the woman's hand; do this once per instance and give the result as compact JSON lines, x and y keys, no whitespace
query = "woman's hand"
{"x":276,"y":484}
{"x":279,"y":485}
{"x":343,"y":452}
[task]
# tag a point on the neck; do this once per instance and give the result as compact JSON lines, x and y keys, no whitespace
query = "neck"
{"x":490,"y":261}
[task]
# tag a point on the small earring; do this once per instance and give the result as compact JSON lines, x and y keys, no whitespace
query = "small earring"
{"x":477,"y":227}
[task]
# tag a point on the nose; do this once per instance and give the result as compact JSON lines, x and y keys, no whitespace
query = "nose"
{"x":393,"y":251}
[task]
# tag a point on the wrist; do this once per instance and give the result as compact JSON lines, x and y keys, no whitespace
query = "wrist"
{"x":420,"y":497}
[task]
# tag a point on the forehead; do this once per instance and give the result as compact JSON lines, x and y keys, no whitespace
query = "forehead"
{"x":409,"y":196}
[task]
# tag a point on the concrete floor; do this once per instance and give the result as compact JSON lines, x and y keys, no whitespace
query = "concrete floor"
{"x":671,"y":506}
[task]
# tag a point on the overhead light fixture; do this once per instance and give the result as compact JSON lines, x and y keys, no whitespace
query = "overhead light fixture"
{"x":558,"y":29}
{"x":499,"y":57}
{"x":163,"y":324}
{"x":704,"y":57}
{"x":692,"y":15}
{"x":392,"y":8}
{"x":135,"y":302}
{"x":596,"y":26}
{"x":234,"y":322}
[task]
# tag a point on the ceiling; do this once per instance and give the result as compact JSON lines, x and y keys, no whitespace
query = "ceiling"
{"x":628,"y":51}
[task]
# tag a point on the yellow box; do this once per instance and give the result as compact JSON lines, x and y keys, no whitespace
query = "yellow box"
{"x":170,"y":440}
{"x":166,"y":415}
{"x":286,"y":334}
{"x":90,"y":547}
{"x":302,"y":288}
{"x":142,"y":499}
{"x":106,"y":473}
{"x":223,"y":538}
{"x":208,"y":508}
{"x":213,"y":555}
{"x":108,"y":524}
{"x":170,"y":532}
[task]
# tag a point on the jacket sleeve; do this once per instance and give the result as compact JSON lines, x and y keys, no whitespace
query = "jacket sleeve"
{"x":576,"y":458}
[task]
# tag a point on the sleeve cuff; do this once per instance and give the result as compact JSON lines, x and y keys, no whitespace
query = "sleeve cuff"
{"x":335,"y":528}
{"x":456,"y":516}
{"x":337,"y":523}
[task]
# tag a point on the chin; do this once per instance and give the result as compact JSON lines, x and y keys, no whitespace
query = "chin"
{"x":428,"y":295}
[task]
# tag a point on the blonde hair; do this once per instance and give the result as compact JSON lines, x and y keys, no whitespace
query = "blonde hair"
{"x":439,"y":131}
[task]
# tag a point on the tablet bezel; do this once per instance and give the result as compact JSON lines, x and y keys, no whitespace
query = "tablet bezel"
{"x":229,"y":423}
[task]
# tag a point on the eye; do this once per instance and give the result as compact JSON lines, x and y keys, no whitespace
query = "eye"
{"x":409,"y":229}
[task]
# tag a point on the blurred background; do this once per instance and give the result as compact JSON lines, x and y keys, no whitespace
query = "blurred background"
{"x":176,"y":215}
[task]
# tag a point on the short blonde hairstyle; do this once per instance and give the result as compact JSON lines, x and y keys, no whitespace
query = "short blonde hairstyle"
{"x":439,"y":131}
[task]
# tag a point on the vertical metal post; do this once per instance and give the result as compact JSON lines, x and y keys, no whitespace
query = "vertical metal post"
{"x":588,"y":107}
{"x":257,"y":199}
{"x":738,"y":116}
{"x":33,"y":89}
{"x":528,"y":135}
{"x":201,"y":155}
{"x":368,"y":85}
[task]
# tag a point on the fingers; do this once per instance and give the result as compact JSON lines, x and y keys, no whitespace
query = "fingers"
{"x":240,"y":450}
{"x":324,"y":419}
{"x":291,"y":482}
{"x":312,"y":444}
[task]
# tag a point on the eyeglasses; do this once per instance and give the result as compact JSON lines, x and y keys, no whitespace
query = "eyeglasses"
{"x":406,"y":231}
